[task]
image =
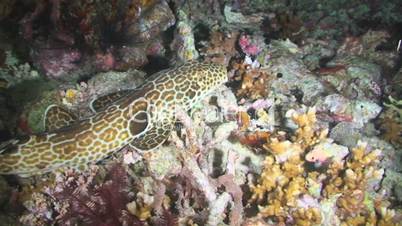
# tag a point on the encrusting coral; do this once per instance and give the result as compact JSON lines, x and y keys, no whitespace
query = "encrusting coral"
{"x":221,"y":47}
{"x":253,"y":80}
{"x":288,"y":192}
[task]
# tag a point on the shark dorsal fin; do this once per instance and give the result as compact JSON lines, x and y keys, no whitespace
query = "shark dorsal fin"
{"x":57,"y":117}
{"x":104,"y":101}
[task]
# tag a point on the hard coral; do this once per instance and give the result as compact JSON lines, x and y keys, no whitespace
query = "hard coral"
{"x":308,"y":216}
{"x":184,"y":43}
{"x":254,"y":81}
{"x":58,"y":63}
{"x":40,"y":211}
{"x":288,"y":192}
{"x":220,"y":48}
{"x":250,"y":46}
{"x":307,"y":133}
{"x":111,"y":35}
{"x":391,"y":121}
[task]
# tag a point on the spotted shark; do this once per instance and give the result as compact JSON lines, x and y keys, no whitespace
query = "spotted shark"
{"x":142,"y":118}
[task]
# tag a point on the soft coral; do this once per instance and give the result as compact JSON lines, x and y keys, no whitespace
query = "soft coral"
{"x":98,"y":205}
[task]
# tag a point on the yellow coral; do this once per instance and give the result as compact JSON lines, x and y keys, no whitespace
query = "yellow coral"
{"x":307,"y":134}
{"x":295,"y":188}
{"x":293,"y":167}
{"x":270,"y":179}
{"x":313,"y":184}
{"x":304,"y":120}
{"x":354,"y":221}
{"x":307,"y":217}
{"x":273,"y":209}
{"x":387,"y":217}
{"x":70,"y":97}
{"x":143,"y":212}
{"x":284,"y":179}
{"x":279,"y":147}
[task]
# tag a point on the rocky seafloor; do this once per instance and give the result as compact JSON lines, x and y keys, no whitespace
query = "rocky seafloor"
{"x":306,"y":132}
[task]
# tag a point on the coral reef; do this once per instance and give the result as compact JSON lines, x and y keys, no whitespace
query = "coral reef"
{"x":78,"y":200}
{"x":119,"y":41}
{"x":254,"y":81}
{"x":326,"y":21}
{"x":286,"y":189}
{"x":220,"y":48}
{"x":58,"y":63}
{"x":391,"y":122}
{"x":306,"y":132}
{"x":14,"y":72}
{"x":184,"y":44}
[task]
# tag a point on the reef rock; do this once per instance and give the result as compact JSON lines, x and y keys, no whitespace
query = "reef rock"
{"x":154,"y":19}
{"x":59,"y":64}
{"x":184,"y":43}
{"x":345,"y":133}
{"x":292,"y":76}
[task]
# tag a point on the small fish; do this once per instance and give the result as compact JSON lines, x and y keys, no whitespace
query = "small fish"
{"x":319,"y":159}
{"x":325,"y":153}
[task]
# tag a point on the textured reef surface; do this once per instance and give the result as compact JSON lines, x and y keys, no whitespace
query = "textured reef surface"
{"x":306,"y":129}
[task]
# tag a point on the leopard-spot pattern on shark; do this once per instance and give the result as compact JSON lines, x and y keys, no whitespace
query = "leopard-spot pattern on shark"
{"x":142,"y":118}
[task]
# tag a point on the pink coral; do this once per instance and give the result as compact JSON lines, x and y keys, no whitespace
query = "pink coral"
{"x":247,"y":46}
{"x":56,"y":63}
{"x":79,"y":198}
{"x":244,"y":41}
{"x":105,"y":61}
{"x":156,"y":48}
{"x":251,"y":50}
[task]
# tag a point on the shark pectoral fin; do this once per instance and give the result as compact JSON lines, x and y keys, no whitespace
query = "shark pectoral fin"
{"x":57,"y":117}
{"x":102,"y":102}
{"x":139,"y":123}
{"x":138,"y":117}
{"x":151,"y":139}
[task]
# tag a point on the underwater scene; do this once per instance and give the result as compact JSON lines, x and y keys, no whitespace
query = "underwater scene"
{"x":200,"y":112}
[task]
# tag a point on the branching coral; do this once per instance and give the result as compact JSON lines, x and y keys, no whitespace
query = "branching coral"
{"x":199,"y":177}
{"x":287,"y":188}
